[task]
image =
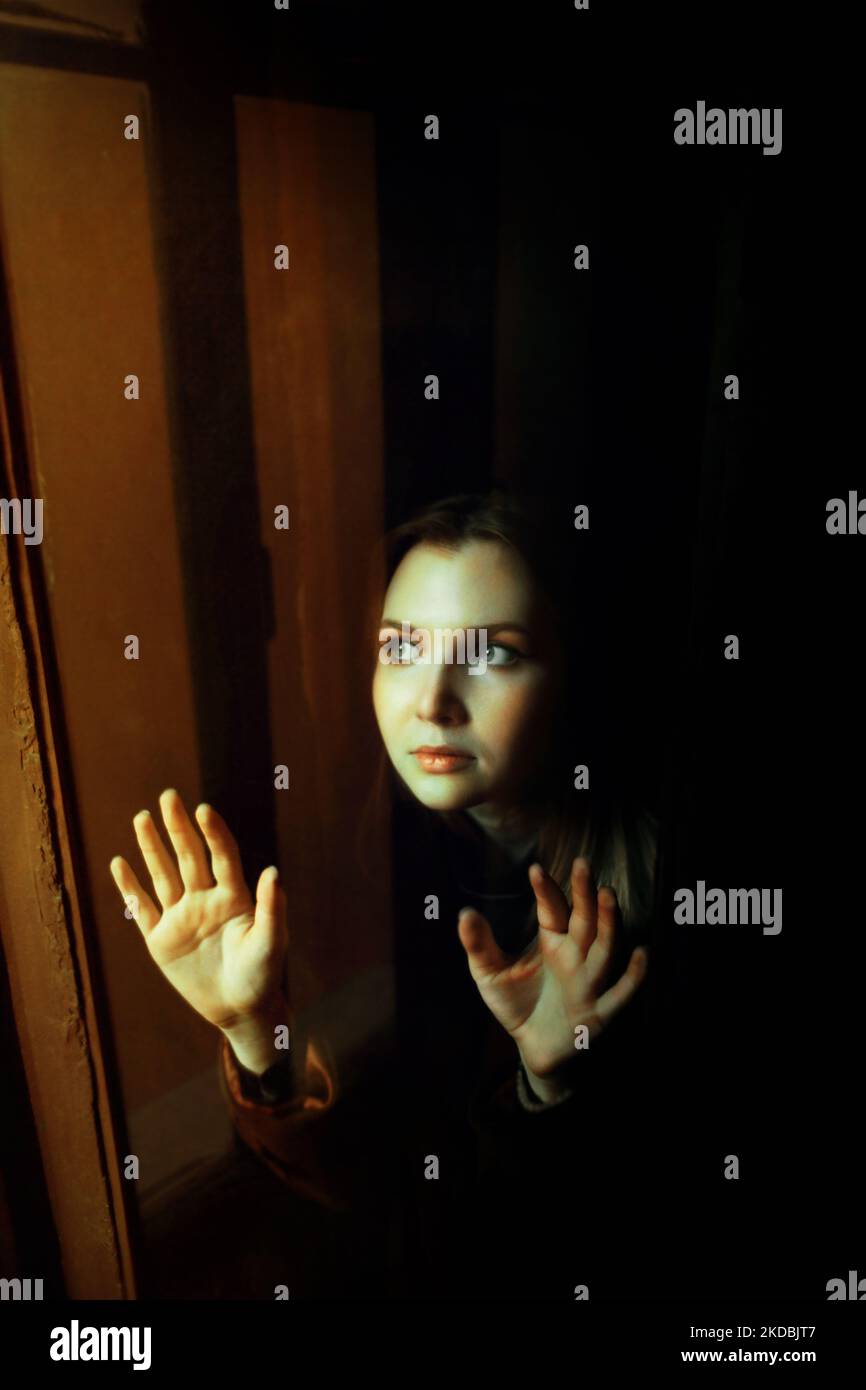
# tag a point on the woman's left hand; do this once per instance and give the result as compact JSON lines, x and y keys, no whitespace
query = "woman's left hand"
{"x":557,"y":984}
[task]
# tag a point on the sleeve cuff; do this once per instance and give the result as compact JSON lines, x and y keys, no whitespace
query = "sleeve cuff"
{"x":529,"y":1100}
{"x":273,"y":1093}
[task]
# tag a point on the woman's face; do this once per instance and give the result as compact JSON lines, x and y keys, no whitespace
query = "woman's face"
{"x":461,"y":738}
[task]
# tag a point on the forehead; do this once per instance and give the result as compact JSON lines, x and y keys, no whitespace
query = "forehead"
{"x":482,"y":582}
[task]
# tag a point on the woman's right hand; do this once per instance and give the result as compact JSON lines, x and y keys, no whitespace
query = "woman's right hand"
{"x":224,"y":953}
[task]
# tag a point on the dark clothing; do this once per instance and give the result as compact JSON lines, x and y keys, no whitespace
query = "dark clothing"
{"x":530,"y":1200}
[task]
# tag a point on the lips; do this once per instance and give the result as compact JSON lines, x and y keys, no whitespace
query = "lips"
{"x":441,"y":758}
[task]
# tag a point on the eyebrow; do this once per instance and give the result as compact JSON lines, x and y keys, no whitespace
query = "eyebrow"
{"x":490,"y":628}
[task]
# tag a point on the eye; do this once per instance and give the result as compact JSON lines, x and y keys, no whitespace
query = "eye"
{"x":498,"y":654}
{"x":395,"y":650}
{"x":406,"y":652}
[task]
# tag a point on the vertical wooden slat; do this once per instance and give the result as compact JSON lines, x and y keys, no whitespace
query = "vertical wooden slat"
{"x":307,"y":179}
{"x":47,"y":959}
{"x":77,"y":228}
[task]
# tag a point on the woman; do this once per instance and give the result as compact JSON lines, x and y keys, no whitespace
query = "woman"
{"x":493,"y":1053}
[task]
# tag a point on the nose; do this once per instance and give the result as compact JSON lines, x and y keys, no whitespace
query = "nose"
{"x":438,"y":699}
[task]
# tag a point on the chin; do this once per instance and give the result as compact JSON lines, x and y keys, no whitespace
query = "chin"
{"x":443,"y":793}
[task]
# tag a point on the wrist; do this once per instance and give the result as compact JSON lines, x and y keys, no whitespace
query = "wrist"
{"x":548,"y":1089}
{"x":253,"y":1038}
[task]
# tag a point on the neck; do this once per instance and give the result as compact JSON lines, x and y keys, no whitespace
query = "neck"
{"x":513,"y":829}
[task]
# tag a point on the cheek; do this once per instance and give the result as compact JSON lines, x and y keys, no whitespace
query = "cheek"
{"x":379,"y":699}
{"x":513,"y":712}
{"x":387,"y":700}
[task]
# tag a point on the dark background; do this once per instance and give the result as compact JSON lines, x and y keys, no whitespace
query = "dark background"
{"x":707,"y":516}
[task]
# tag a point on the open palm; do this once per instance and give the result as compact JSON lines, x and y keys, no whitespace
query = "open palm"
{"x":557,"y":984}
{"x":223,"y":952}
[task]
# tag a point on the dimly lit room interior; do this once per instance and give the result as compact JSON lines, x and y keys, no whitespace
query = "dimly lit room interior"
{"x":167,"y":389}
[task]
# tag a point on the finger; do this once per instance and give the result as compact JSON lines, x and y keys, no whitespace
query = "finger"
{"x":188,"y":846}
{"x":582,"y":922}
{"x":224,"y":852}
{"x":139,"y":907}
{"x":484,"y":956}
{"x":601,"y":951}
{"x":160,"y":865}
{"x":270,"y":908}
{"x":626,"y":986}
{"x":550,"y":901}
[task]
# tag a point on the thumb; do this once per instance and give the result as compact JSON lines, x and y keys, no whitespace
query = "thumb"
{"x":270,"y":915}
